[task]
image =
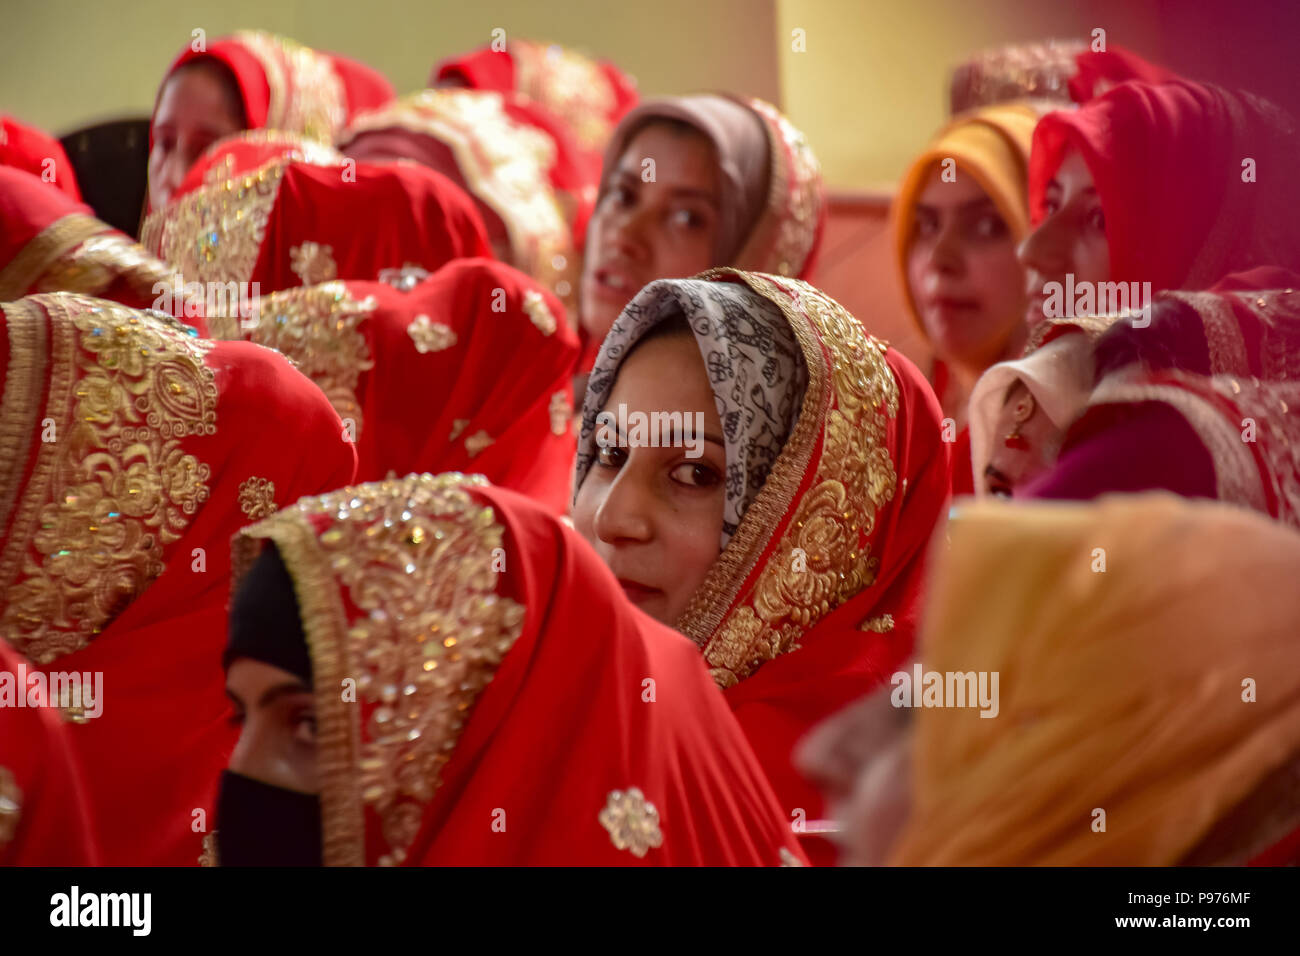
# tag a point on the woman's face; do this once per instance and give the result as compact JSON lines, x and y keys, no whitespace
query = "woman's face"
{"x":1070,"y":238}
{"x":276,"y":714}
{"x":1014,"y":464}
{"x":641,"y":231}
{"x":963,"y":273}
{"x":861,"y":760}
{"x":654,"y":514}
{"x":194,"y":111}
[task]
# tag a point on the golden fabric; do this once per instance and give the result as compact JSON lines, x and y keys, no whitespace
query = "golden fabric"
{"x":428,"y":638}
{"x":305,"y":90}
{"x":1123,"y":690}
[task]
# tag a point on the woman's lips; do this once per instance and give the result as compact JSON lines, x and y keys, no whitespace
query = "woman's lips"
{"x":637,"y":592}
{"x":613,"y":286}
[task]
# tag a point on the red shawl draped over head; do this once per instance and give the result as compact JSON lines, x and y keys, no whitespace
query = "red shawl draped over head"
{"x":1195,"y":181}
{"x":815,"y":599}
{"x":487,"y":143}
{"x":287,"y":86}
{"x":43,"y":816}
{"x":135,"y":450}
{"x":274,"y":209}
{"x":469,"y":371}
{"x":28,"y":149}
{"x":51,"y":243}
{"x":1205,"y":402}
{"x":541,"y":720}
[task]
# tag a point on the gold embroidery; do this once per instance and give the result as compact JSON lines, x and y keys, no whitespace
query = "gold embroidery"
{"x":880,"y":625}
{"x":313,"y":263}
{"x":784,"y":236}
{"x":115,"y":486}
{"x":430,"y":336}
{"x":319,"y":329}
{"x":406,"y":278}
{"x":1223,"y":337}
{"x":257,"y":498}
{"x":788,"y":858}
{"x":23,"y":271}
{"x":306,"y":94}
{"x":561,"y":411}
{"x":99,"y":262}
{"x":209,"y":855}
{"x":852,"y":398}
{"x":11,"y":805}
{"x":569,"y":85}
{"x":457,"y":426}
{"x":475,"y":443}
{"x":413,"y":559}
{"x":632,"y":822}
{"x":535,"y":306}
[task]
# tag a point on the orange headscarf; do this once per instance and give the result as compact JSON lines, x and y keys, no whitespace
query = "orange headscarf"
{"x":1124,"y":634}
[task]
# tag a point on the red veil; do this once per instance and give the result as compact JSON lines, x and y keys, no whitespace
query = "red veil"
{"x":52,"y":243}
{"x":469,"y":371}
{"x":274,"y":209}
{"x":137,"y":450}
{"x":1182,"y":210}
{"x":854,"y":495}
{"x":512,"y":707}
{"x":290,"y":87}
{"x":44,"y":820}
{"x":27,"y":148}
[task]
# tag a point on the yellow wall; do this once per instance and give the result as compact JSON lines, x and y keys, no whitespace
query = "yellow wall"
{"x":68,"y":63}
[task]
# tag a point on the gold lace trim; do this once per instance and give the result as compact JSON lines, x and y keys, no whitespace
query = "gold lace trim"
{"x":413,"y":558}
{"x":783,"y":238}
{"x":851,"y":399}
{"x":306,"y":94}
{"x":569,"y":85}
{"x":115,"y":486}
{"x":64,"y":234}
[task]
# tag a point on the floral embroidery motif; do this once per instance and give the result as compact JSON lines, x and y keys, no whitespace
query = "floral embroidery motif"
{"x":11,"y":805}
{"x":413,"y":558}
{"x":116,"y":488}
{"x":475,"y":443}
{"x":537,"y":311}
{"x":457,"y":426}
{"x":788,"y":858}
{"x":561,"y":411}
{"x":209,"y":855}
{"x":257,"y":498}
{"x":430,"y":336}
{"x":794,"y":217}
{"x":632,"y":822}
{"x":568,"y":84}
{"x":306,"y":94}
{"x":406,"y":278}
{"x":878,"y":625}
{"x":313,"y":263}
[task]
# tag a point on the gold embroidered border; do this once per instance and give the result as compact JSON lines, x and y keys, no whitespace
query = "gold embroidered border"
{"x":19,"y":410}
{"x":570,"y":85}
{"x":306,"y":94}
{"x":65,"y":233}
{"x":1223,"y":336}
{"x":783,"y":237}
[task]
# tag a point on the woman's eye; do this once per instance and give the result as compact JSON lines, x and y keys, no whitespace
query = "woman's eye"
{"x":695,"y":475}
{"x":1097,"y":219}
{"x":611,"y":456}
{"x":687,"y":219}
{"x":304,"y":728}
{"x":999,"y":491}
{"x":990,"y":227}
{"x":926,"y":226}
{"x":621,"y":196}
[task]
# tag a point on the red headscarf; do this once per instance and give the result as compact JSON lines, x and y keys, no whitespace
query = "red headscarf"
{"x":523,"y":735}
{"x":287,"y":86}
{"x":1181,"y":209}
{"x":44,"y":820}
{"x":488,"y":144}
{"x":273,"y":209}
{"x":136,"y":450}
{"x":469,"y":371}
{"x":27,"y":148}
{"x":815,"y":599}
{"x":51,"y":243}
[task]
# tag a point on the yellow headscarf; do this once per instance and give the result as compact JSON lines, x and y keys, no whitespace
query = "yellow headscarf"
{"x":992,"y":145}
{"x":1121,"y":690}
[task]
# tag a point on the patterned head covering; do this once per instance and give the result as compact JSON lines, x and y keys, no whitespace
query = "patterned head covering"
{"x":755,"y":369}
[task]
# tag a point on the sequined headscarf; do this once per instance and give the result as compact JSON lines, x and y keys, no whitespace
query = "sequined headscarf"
{"x":755,"y":369}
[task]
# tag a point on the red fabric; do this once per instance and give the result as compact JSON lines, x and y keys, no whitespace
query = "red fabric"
{"x":155,"y":754}
{"x":53,"y":826}
{"x":836,"y":662}
{"x":1167,"y":163}
{"x":500,"y":378}
{"x":1100,"y":71}
{"x":565,"y":722}
{"x":28,"y":207}
{"x":963,"y":480}
{"x":27,"y":148}
{"x":420,"y":217}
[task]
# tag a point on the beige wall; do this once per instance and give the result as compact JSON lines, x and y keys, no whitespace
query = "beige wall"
{"x":67,"y":63}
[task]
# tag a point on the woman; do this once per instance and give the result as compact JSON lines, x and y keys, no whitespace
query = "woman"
{"x":251,"y":80}
{"x":281,"y":212}
{"x":959,"y":214}
{"x":51,"y":243}
{"x":1144,"y":719}
{"x":692,"y":182}
{"x":471,"y":370}
{"x":485,"y":143}
{"x":786,"y":540}
{"x":28,"y":149}
{"x":506,"y":707}
{"x":43,"y":816}
{"x":135,"y":450}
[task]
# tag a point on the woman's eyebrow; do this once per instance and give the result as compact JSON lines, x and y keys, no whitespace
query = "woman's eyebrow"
{"x":283,"y":689}
{"x":991,"y":472}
